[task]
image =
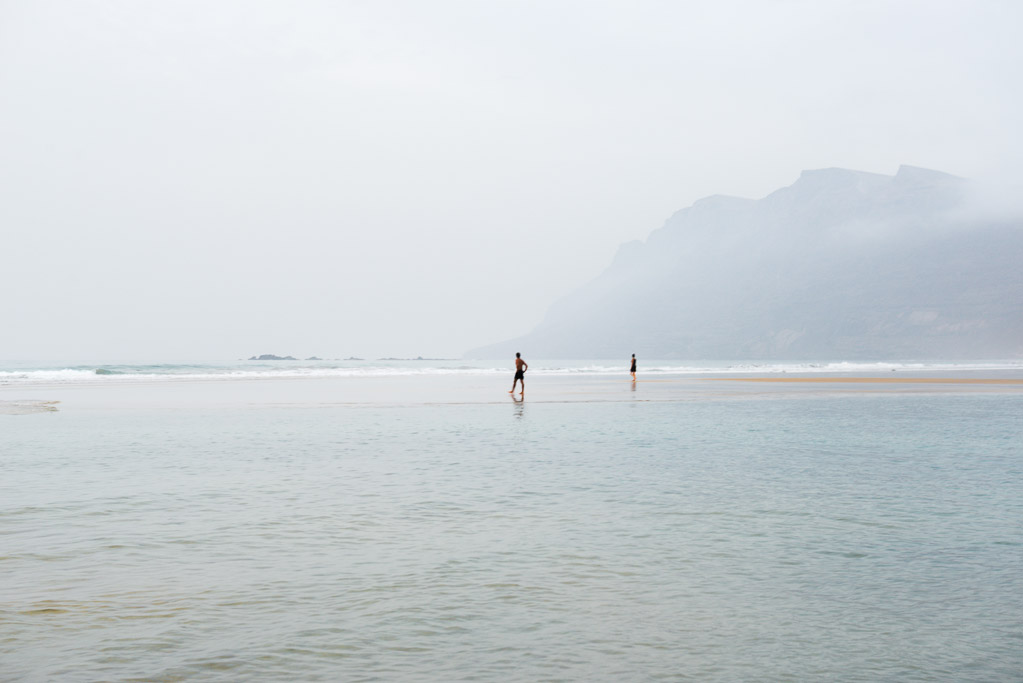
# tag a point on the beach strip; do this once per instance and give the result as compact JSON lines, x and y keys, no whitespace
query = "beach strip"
{"x":870,"y":380}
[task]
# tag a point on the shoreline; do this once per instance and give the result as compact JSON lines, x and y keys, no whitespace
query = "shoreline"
{"x":872,"y":380}
{"x":432,"y":390}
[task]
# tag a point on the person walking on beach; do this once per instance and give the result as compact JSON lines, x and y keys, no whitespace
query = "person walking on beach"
{"x":633,"y":368}
{"x":520,"y":374}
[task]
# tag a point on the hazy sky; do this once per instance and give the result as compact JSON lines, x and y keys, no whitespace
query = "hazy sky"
{"x":185,"y":180}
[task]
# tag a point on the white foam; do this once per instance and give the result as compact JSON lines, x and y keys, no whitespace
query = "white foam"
{"x":75,"y":376}
{"x":219,"y":372}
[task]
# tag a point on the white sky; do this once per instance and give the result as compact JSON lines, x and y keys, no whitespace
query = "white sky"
{"x":186,"y":180}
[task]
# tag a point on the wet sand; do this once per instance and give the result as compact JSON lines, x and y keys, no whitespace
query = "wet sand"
{"x":171,"y":395}
{"x":27,"y":407}
{"x":875,"y":380}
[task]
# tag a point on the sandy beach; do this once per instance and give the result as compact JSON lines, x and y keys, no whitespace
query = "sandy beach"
{"x":876,"y":380}
{"x":173,"y":394}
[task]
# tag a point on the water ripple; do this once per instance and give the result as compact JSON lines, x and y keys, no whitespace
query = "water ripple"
{"x":866,"y":540}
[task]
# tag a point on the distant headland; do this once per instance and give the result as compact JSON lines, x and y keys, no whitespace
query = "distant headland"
{"x":839,"y":265}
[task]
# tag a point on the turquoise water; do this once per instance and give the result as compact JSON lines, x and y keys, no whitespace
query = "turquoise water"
{"x":856,"y":538}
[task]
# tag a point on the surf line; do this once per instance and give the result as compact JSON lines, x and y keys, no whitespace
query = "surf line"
{"x":868,"y":380}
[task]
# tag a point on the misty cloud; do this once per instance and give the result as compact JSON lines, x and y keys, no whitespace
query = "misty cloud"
{"x":840,"y":264}
{"x":195,"y":180}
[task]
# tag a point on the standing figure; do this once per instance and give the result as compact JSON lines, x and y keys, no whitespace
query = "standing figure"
{"x":633,"y":368}
{"x":520,"y":374}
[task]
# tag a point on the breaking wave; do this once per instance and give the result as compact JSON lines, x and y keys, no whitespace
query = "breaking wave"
{"x":113,"y":373}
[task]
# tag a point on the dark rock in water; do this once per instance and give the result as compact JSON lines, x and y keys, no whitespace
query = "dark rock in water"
{"x":270,"y":356}
{"x":313,"y":358}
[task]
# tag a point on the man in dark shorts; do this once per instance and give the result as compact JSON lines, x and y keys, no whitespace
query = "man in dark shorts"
{"x":520,"y":374}
{"x":633,"y":368}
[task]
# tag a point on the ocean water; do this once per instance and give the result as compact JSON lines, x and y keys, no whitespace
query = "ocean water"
{"x":769,"y":536}
{"x":100,"y":372}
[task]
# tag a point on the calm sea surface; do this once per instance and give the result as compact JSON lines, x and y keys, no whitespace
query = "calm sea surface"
{"x":852,"y":538}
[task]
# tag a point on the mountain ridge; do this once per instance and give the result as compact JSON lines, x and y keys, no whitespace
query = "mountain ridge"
{"x":840,"y":264}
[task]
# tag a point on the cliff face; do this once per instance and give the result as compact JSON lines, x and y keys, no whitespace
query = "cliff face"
{"x":839,"y":265}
